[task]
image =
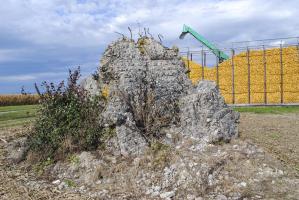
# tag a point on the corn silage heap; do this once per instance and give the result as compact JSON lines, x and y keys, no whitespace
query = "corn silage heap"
{"x":149,"y":97}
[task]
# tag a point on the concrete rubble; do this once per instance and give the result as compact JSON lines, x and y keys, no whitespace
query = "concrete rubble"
{"x":146,"y":78}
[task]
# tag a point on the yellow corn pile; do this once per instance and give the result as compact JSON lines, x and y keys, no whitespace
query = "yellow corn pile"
{"x":290,"y":61}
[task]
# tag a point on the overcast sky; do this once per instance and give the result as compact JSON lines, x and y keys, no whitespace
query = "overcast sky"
{"x":41,"y":39}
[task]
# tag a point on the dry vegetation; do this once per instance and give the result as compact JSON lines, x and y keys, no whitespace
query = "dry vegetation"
{"x":18,"y":99}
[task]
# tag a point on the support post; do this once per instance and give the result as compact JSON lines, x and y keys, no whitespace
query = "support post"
{"x":233,"y":76}
{"x":217,"y":68}
{"x":188,"y":52}
{"x":281,"y":75}
{"x":248,"y":66}
{"x":202,"y":64}
{"x":265,"y":74}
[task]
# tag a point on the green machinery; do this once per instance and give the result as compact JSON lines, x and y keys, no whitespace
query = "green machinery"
{"x":221,"y":55}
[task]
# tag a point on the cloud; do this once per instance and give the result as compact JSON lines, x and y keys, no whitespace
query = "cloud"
{"x":42,"y":36}
{"x":32,"y":77}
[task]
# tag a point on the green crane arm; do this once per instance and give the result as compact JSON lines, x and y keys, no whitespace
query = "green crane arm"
{"x":221,"y":55}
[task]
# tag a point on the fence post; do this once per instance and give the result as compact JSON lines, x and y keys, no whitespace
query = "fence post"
{"x":217,"y":68}
{"x":191,"y":57}
{"x":188,"y":52}
{"x":202,"y":64}
{"x":281,"y":75}
{"x":248,"y":65}
{"x":233,"y":76}
{"x":265,"y":74}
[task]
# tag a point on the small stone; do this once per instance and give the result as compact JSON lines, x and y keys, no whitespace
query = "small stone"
{"x":243,"y":184}
{"x":221,"y":197}
{"x":167,"y":194}
{"x":190,"y":197}
{"x":157,"y":188}
{"x":82,"y":188}
{"x":57,"y":182}
{"x":149,"y":191}
{"x":154,"y":194}
{"x":62,"y":186}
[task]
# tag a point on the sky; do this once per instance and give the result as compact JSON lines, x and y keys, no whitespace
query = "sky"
{"x":41,"y":39}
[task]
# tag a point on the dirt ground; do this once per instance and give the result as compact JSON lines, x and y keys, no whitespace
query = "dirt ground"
{"x":277,"y":134}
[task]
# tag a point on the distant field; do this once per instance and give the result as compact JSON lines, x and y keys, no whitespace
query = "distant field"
{"x":11,"y":116}
{"x":18,"y":99}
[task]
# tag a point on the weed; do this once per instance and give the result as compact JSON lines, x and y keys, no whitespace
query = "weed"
{"x":74,"y":159}
{"x":39,"y":168}
{"x":70,"y":183}
{"x":141,"y":43}
{"x":275,"y":136}
{"x":68,"y":119}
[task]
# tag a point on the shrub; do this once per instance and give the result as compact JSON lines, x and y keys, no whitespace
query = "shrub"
{"x":68,"y":119}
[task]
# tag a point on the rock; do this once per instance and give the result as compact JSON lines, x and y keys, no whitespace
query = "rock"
{"x":138,"y":75}
{"x":205,"y":115}
{"x":91,"y":85}
{"x":221,"y":197}
{"x":243,"y":184}
{"x":167,"y":194}
{"x":191,"y":197}
{"x":148,"y":92}
{"x":62,"y":185}
{"x":56,"y":182}
{"x":17,"y":149}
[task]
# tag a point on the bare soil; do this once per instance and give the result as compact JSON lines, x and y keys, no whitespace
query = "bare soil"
{"x":278,"y":134}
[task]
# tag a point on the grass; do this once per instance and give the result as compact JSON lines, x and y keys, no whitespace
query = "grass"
{"x":16,"y":115}
{"x":268,"y":109}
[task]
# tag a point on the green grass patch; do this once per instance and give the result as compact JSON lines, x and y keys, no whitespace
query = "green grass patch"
{"x":268,"y":109}
{"x":16,"y":115}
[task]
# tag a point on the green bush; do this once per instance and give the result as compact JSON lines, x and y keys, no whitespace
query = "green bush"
{"x":68,"y":120}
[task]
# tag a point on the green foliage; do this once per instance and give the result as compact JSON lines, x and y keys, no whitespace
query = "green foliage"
{"x":268,"y":109}
{"x":70,"y":183}
{"x":40,"y":167}
{"x":74,"y":159}
{"x":68,"y":119}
